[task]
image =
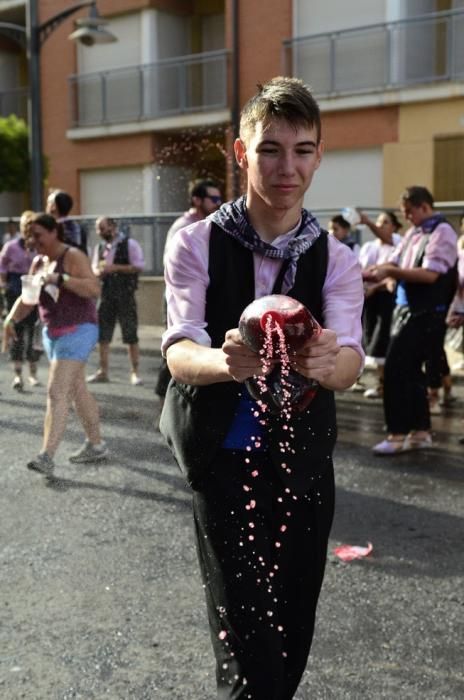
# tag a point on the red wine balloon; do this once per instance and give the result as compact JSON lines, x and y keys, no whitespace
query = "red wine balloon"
{"x":277,"y":326}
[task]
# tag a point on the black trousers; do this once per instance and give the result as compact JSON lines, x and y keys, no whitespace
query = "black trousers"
{"x":436,"y":364}
{"x":262,"y":556}
{"x":23,"y":348}
{"x":118,"y":308}
{"x":405,"y":386}
{"x":377,"y":315}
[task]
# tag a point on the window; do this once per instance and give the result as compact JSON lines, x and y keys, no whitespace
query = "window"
{"x":449,"y":168}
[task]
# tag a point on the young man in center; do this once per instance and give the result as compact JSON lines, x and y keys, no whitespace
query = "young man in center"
{"x":261,"y":529}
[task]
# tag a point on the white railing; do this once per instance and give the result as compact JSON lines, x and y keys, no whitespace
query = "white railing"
{"x":424,"y":49}
{"x":150,"y":229}
{"x":185,"y":84}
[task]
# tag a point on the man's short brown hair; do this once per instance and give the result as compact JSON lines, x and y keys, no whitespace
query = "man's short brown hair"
{"x":283,"y":98}
{"x":416,"y":195}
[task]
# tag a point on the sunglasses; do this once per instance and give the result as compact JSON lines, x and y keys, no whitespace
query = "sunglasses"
{"x":215,"y":198}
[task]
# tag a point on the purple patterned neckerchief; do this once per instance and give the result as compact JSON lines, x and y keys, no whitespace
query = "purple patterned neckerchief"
{"x":429,"y":224}
{"x":233,"y":219}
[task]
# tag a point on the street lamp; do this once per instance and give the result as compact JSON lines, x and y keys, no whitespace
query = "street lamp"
{"x":91,"y":31}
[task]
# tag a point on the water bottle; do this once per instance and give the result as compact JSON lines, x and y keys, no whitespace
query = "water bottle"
{"x":351,"y":215}
{"x":277,"y":327}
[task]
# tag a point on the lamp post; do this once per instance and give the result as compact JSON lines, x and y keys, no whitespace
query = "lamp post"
{"x":91,"y":31}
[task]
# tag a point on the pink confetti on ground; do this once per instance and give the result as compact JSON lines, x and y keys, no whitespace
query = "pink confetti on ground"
{"x":222,"y":634}
{"x":348,"y":552}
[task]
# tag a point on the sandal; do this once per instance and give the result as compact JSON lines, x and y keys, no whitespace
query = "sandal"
{"x":392,"y":446}
{"x":421,"y":443}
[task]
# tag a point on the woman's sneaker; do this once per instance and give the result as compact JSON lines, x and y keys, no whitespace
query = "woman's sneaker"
{"x":375,"y":392}
{"x":43,"y":463}
{"x":89,"y":453}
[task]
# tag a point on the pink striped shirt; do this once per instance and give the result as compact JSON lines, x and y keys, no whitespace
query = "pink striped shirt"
{"x":440,"y":253}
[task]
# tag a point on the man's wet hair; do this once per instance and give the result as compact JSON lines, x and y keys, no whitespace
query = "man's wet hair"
{"x":63,"y":201}
{"x":416,"y":195}
{"x":283,"y":98}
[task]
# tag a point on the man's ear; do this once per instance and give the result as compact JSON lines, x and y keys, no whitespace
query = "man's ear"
{"x":320,"y":151}
{"x":240,"y":154}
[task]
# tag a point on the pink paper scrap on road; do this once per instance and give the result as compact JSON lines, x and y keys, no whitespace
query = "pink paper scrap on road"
{"x":348,"y":552}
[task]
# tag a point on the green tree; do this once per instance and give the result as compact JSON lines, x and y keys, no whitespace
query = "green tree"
{"x":14,"y":156}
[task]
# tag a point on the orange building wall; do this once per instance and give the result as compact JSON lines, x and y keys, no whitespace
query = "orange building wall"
{"x":363,"y":128}
{"x":262,"y":27}
{"x":66,"y":158}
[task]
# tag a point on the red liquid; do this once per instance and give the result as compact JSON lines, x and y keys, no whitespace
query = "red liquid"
{"x":277,"y":326}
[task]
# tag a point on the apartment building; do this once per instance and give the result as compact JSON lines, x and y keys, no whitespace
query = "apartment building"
{"x":389,"y":76}
{"x":127,"y":125}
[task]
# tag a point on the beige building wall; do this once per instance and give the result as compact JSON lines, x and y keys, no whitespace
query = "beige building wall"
{"x":410,"y":161}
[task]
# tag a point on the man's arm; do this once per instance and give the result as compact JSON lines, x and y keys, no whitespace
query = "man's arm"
{"x":195,"y":364}
{"x":322,"y":359}
{"x":416,"y":275}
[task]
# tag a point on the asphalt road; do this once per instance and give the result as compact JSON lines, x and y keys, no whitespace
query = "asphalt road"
{"x":99,"y":589}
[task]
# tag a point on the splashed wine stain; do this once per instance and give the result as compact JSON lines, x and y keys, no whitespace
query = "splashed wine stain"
{"x":277,"y":327}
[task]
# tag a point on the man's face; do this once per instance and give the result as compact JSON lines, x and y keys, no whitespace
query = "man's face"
{"x":105,"y":230}
{"x":211,"y":202}
{"x":416,"y":214}
{"x":51,"y":206}
{"x":280,"y":161}
{"x":338,"y":231}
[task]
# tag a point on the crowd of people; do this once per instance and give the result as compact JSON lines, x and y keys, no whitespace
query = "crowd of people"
{"x":414,"y":292}
{"x":262,"y":482}
{"x":51,"y":290}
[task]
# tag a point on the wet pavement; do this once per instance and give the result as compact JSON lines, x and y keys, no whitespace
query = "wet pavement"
{"x":99,"y":587}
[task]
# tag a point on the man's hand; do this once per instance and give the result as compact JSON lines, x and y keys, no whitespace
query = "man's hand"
{"x":455,"y":320}
{"x":381,"y":272}
{"x":318,"y":357}
{"x":241,"y":361}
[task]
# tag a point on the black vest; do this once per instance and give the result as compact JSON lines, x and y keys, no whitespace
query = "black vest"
{"x":428,"y":297}
{"x":196,"y":419}
{"x":118,"y":283}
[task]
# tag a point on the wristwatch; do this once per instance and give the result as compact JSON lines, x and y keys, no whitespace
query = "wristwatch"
{"x":62,"y":278}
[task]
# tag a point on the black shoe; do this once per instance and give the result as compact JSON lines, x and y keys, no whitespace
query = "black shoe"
{"x":43,"y":463}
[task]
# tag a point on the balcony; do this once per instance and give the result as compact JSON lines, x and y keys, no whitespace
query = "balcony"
{"x":422,"y":50}
{"x":14,"y":102}
{"x":168,"y":88}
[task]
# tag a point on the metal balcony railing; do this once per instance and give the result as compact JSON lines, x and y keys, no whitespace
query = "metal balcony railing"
{"x":14,"y":102}
{"x":424,"y":49}
{"x":186,"y":84}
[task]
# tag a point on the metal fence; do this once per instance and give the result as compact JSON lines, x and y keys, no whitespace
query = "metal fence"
{"x":150,"y":230}
{"x":423,"y":49}
{"x":14,"y":102}
{"x":194,"y":83}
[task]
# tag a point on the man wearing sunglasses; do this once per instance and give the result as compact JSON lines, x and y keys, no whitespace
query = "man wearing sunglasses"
{"x":205,"y":198}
